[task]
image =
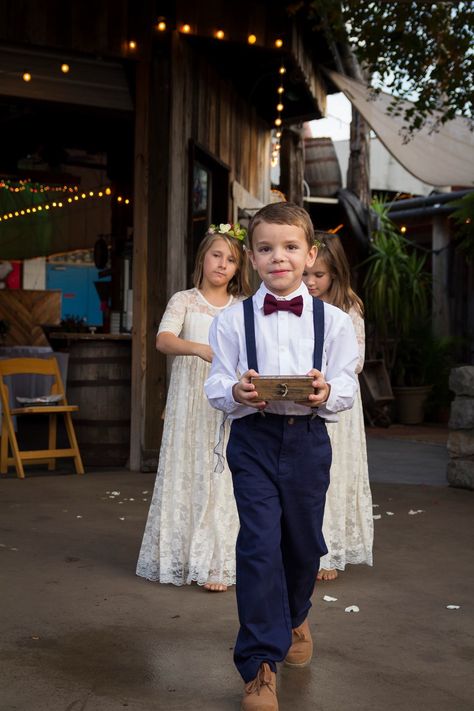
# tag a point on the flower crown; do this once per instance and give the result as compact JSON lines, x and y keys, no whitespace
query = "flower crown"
{"x":235,"y":230}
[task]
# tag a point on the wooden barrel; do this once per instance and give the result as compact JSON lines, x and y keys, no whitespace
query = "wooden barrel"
{"x":321,"y":167}
{"x":99,"y":381}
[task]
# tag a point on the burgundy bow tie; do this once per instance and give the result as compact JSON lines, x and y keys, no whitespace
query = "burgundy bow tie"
{"x":270,"y":304}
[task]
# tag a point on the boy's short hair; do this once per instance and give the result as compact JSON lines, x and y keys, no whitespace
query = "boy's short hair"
{"x":283,"y":213}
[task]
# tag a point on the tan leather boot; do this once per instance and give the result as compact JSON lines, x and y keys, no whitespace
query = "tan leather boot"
{"x":260,"y":694}
{"x":301,"y":650}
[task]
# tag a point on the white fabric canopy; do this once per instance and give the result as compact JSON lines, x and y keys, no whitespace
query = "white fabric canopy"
{"x":441,"y":158}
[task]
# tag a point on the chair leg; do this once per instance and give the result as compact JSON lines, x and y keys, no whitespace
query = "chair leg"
{"x":73,"y":442}
{"x":4,"y":448}
{"x":14,"y":447}
{"x":53,"y":426}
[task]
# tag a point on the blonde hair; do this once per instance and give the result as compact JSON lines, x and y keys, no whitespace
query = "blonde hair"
{"x":239,"y":285}
{"x":340,"y":293}
{"x":283,"y":213}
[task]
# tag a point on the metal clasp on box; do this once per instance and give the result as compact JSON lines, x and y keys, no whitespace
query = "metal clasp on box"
{"x":282,"y":389}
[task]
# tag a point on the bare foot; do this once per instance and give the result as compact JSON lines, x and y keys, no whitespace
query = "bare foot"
{"x":327,"y":574}
{"x":215,"y":587}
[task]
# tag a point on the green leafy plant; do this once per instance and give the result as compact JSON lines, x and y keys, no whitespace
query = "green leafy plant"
{"x":396,"y":286}
{"x":463,"y":216}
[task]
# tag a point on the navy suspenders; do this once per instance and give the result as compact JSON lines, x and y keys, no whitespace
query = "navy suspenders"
{"x":318,"y":322}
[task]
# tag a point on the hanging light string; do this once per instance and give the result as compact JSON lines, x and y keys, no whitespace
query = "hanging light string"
{"x":20,"y":186}
{"x":276,"y":134}
{"x":46,"y":207}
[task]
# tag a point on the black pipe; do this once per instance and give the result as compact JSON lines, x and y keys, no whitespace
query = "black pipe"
{"x":440,"y":198}
{"x":420,"y":212}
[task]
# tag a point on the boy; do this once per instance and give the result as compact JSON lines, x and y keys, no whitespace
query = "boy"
{"x":279,"y":452}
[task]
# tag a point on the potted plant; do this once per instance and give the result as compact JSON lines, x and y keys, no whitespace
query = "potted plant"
{"x":397,"y":293}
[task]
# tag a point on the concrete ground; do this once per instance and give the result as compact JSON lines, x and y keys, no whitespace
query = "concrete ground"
{"x":80,"y":632}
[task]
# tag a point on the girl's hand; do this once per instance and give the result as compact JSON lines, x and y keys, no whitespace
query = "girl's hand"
{"x":244,"y":391}
{"x":204,"y":351}
{"x":322,"y":389}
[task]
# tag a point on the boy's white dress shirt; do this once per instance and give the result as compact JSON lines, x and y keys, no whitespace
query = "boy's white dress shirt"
{"x":285,"y":345}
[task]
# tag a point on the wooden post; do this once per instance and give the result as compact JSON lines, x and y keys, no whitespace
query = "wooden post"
{"x":440,"y":300}
{"x":149,"y":256}
{"x":292,"y":164}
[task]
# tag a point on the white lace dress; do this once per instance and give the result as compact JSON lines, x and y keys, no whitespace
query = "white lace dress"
{"x":348,"y":525}
{"x":192,"y":523}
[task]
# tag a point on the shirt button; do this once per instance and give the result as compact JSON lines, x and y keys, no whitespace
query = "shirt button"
{"x":291,"y":420}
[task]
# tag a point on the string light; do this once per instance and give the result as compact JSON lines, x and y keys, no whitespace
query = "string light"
{"x":278,"y":121}
{"x":132,"y":45}
{"x":186,"y":29}
{"x":65,"y":68}
{"x":278,"y":43}
{"x":280,"y":107}
{"x":26,"y":76}
{"x":34,"y":209}
{"x":282,"y":69}
{"x":219,"y":34}
{"x":161,"y":26}
{"x":251,"y":39}
{"x":403,"y":229}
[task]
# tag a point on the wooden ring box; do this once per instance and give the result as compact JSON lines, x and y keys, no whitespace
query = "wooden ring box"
{"x":289,"y":388}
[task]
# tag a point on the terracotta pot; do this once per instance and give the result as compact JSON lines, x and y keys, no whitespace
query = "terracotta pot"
{"x":410,"y":402}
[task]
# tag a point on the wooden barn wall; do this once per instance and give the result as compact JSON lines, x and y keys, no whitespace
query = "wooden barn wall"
{"x":206,"y":108}
{"x":98,"y":27}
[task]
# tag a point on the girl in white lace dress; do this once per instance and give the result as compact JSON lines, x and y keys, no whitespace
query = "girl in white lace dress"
{"x":348,"y":524}
{"x":192,"y":523}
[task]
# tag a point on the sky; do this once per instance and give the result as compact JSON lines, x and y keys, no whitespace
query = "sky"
{"x":336,"y":125}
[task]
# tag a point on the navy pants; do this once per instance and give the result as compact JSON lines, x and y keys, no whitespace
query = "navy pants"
{"x":280,"y":467}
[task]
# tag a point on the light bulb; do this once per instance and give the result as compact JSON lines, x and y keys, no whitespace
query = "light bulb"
{"x":65,"y":68}
{"x":26,"y":76}
{"x":220,"y":34}
{"x":280,"y":107}
{"x":279,"y":43}
{"x":251,"y":39}
{"x":161,"y":26}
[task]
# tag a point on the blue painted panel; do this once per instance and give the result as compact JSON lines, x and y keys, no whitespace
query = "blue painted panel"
{"x":79,"y":295}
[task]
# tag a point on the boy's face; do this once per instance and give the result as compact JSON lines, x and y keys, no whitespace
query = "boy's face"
{"x":280,"y":254}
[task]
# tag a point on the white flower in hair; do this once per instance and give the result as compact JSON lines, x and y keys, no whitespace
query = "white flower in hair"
{"x":224,"y":228}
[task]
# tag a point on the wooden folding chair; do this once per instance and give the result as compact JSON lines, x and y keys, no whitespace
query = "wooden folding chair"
{"x":35,"y":366}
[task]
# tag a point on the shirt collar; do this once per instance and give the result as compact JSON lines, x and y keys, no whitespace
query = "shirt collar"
{"x":302,"y":290}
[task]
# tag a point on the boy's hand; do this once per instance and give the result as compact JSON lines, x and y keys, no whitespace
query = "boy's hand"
{"x":244,"y":391}
{"x":322,"y":389}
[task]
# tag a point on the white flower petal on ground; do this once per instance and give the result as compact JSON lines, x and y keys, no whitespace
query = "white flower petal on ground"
{"x":453,"y":607}
{"x":375,"y":506}
{"x":122,"y":518}
{"x":79,"y":516}
{"x":131,"y":499}
{"x":328,"y":598}
{"x":13,"y":549}
{"x":144,"y":499}
{"x":3,"y":545}
{"x":389,"y":513}
{"x":413,"y":512}
{"x":144,"y":492}
{"x":120,"y":502}
{"x":352,"y":608}
{"x":377,"y":516}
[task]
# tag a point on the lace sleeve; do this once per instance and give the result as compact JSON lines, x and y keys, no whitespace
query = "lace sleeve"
{"x":359,"y":327}
{"x":173,"y":318}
